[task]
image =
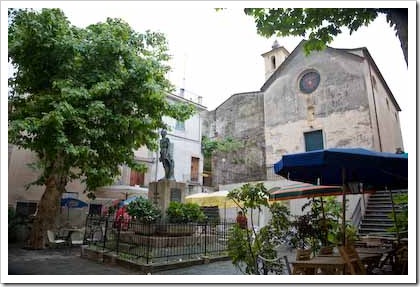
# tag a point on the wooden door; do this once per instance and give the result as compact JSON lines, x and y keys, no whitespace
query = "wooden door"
{"x":194,"y":168}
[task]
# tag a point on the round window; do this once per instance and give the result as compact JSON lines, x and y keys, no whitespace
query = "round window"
{"x":309,"y":82}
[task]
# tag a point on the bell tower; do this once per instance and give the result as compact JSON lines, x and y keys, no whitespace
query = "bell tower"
{"x":274,"y":58}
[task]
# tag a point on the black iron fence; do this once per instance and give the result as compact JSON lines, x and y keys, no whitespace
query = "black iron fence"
{"x":157,"y":242}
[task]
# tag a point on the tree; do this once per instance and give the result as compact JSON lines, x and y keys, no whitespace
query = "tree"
{"x":324,"y":23}
{"x":252,"y":249}
{"x":83,"y":100}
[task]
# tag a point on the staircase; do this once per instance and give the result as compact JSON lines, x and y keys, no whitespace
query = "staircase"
{"x":377,"y":218}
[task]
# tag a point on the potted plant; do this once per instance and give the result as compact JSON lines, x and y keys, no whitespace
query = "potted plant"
{"x":144,"y":214}
{"x":181,"y":217}
{"x":304,"y":232}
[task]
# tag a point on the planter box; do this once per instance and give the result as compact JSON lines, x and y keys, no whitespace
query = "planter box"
{"x":180,"y":229}
{"x":144,"y":228}
{"x":325,"y":250}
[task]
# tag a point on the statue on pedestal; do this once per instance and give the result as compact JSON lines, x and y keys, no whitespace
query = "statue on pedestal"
{"x":166,"y":156}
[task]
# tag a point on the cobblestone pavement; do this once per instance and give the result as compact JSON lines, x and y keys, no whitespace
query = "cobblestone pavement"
{"x":57,"y":262}
{"x":65,"y":262}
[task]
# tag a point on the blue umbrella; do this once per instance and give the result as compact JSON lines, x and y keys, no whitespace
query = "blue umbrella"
{"x":336,"y":166}
{"x":73,"y":202}
{"x":340,"y":166}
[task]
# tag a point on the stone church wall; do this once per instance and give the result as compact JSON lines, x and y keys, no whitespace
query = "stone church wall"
{"x":339,"y":106}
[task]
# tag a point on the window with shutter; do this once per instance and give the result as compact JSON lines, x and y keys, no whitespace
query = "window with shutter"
{"x":314,"y":140}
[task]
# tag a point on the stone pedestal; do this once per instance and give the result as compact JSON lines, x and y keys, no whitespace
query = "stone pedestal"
{"x":164,"y":191}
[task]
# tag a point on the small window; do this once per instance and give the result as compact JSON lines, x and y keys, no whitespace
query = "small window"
{"x":26,"y":208}
{"x":396,"y":116}
{"x":273,"y":62}
{"x":314,"y":140}
{"x":387,"y":103}
{"x":180,"y":126}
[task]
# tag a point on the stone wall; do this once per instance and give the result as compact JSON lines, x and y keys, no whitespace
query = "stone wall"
{"x":387,"y":114}
{"x":241,"y":117}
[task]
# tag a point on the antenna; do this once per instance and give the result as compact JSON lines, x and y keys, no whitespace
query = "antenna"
{"x":182,"y":89}
{"x":185,"y":68}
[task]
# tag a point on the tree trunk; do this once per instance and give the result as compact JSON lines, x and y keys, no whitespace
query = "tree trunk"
{"x":46,"y":215}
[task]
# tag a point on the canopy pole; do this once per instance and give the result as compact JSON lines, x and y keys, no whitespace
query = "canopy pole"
{"x":324,"y":223}
{"x":343,"y":176}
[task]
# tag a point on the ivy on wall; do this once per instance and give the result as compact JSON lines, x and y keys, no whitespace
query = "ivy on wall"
{"x":209,"y":147}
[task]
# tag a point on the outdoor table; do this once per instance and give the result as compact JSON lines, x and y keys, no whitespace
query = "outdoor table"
{"x":333,"y":263}
{"x":68,"y":231}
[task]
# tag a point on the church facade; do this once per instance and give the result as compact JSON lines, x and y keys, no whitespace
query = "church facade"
{"x":330,"y":98}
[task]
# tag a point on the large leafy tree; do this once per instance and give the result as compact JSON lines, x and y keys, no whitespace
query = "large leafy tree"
{"x":83,"y":100}
{"x":322,"y":24}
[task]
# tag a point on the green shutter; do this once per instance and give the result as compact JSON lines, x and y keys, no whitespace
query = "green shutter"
{"x":314,"y":140}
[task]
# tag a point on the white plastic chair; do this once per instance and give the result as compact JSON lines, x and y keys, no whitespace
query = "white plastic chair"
{"x":54,"y":242}
{"x":77,"y":237}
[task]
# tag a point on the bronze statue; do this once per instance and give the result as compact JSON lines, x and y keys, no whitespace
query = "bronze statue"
{"x":166,"y":156}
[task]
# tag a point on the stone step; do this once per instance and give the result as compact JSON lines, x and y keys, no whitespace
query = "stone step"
{"x":376,"y":224}
{"x":373,"y":230}
{"x":380,"y":207}
{"x":377,"y":221}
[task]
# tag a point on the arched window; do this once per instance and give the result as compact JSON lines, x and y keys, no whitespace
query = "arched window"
{"x":273,"y":62}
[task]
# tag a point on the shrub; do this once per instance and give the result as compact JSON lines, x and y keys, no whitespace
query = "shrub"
{"x":178,"y":212}
{"x":143,"y":210}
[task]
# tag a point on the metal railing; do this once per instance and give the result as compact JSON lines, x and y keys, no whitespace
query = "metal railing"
{"x":356,"y":216}
{"x":157,"y":243}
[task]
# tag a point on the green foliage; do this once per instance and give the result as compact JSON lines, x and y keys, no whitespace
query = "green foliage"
{"x":280,"y":221}
{"x":179,"y":212}
{"x":244,"y":245}
{"x":143,"y":210}
{"x":84,"y":99}
{"x":401,"y":205}
{"x":208,"y":146}
{"x":241,"y":250}
{"x":249,"y":251}
{"x":227,"y":144}
{"x":336,"y":235}
{"x":250,"y":196}
{"x":305,"y":232}
{"x":322,"y":24}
